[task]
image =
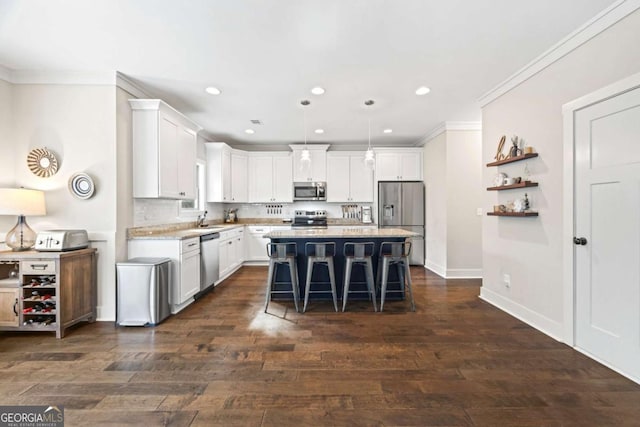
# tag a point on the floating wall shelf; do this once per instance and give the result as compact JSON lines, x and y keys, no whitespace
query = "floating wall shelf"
{"x":517,"y":214}
{"x":509,"y":187}
{"x":513,"y":159}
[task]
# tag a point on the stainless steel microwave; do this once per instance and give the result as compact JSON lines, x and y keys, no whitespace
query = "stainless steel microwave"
{"x":309,"y":191}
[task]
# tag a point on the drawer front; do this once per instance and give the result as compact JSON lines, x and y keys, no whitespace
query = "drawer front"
{"x":259,"y":229}
{"x":38,"y":267}
{"x":190,"y":245}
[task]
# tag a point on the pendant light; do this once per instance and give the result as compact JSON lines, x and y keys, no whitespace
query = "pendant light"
{"x":369,"y":156}
{"x":305,"y":156}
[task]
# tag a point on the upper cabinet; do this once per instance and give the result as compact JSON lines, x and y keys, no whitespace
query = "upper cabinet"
{"x":164,"y":151}
{"x":270,"y":177}
{"x":226,"y":174}
{"x":316,"y":169}
{"x":399,"y":164}
{"x":348,"y":178}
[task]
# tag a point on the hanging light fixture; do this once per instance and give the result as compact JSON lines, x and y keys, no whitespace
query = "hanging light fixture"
{"x":305,"y":156}
{"x":369,"y":156}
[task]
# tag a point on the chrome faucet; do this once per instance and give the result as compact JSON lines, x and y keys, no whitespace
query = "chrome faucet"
{"x":200,"y":220}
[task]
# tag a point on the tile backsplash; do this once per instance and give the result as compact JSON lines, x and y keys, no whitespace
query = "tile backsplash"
{"x":159,"y":211}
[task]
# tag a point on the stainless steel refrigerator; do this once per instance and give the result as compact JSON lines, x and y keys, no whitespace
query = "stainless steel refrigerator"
{"x":401,"y":205}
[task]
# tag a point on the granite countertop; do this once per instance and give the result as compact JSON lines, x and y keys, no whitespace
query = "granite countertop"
{"x":340,"y":234}
{"x":188,"y":230}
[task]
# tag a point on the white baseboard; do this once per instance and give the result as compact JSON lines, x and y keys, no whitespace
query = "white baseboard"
{"x":436,"y":268}
{"x":531,"y":318}
{"x":464,"y":273}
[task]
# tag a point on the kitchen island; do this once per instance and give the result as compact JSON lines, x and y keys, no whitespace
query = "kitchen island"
{"x":340,"y":237}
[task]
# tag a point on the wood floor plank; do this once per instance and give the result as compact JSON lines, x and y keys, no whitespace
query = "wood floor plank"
{"x":456,"y":361}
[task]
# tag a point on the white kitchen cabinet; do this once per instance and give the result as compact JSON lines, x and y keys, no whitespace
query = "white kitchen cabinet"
{"x":398,"y":164}
{"x":185,"y":265}
{"x":231,"y":251}
{"x":348,"y":178}
{"x":239,"y":180}
{"x":226,"y":174}
{"x":270,"y":178}
{"x":256,"y":244}
{"x":316,"y":169}
{"x":164,"y":151}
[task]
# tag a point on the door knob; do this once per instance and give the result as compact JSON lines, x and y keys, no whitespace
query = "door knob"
{"x":580,"y":241}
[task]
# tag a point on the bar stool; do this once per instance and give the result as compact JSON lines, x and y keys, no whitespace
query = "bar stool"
{"x":321,"y":254}
{"x":359,"y":254}
{"x":394,"y":253}
{"x":279,"y":254}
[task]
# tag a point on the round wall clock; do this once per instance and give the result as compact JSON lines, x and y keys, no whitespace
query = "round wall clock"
{"x":81,"y":185}
{"x":42,"y":162}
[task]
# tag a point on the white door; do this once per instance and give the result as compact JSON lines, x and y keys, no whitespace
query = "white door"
{"x":607,"y":215}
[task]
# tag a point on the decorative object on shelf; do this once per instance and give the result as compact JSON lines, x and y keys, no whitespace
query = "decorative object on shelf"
{"x":42,"y":162}
{"x":21,"y":202}
{"x":515,"y":150}
{"x":305,"y":156}
{"x":369,"y":156}
{"x":81,"y":186}
{"x":499,"y":179}
{"x":499,"y":156}
{"x":528,"y":150}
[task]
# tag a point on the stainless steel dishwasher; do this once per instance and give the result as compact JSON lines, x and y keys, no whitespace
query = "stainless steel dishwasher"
{"x":209,"y":264}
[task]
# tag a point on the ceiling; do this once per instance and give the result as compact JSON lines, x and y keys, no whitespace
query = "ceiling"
{"x":266,"y":55}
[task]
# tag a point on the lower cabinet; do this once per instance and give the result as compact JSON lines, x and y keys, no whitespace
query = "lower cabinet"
{"x":185,"y":265}
{"x":47,"y":291}
{"x":231,"y":252}
{"x":256,"y":244}
{"x":9,"y":304}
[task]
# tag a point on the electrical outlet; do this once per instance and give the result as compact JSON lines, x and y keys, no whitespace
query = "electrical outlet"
{"x":506,"y":279}
{"x":479,"y":211}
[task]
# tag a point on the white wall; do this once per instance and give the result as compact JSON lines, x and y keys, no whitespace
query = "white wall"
{"x":464,"y":196}
{"x":452,"y":176}
{"x":435,"y":181}
{"x":77,"y":123}
{"x":7,"y":169}
{"x":530,"y":249}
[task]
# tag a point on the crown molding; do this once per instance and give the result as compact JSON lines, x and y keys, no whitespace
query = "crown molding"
{"x":125,"y":83}
{"x":37,"y":77}
{"x":448,"y":126}
{"x":590,"y":29}
{"x":93,"y":78}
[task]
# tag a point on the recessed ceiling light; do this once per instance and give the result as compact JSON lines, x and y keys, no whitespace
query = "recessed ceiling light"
{"x":387,"y":130}
{"x":317,"y":90}
{"x":319,"y":131}
{"x":249,"y":131}
{"x":422,"y":90}
{"x":213,"y":90}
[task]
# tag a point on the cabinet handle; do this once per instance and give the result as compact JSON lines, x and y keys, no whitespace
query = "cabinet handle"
{"x":39,"y":266}
{"x":192,"y":244}
{"x":15,"y":305}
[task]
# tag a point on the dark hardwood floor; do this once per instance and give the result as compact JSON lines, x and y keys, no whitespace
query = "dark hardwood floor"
{"x":456,"y":361}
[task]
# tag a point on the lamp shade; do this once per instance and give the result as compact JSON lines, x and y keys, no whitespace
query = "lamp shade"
{"x":20,"y":201}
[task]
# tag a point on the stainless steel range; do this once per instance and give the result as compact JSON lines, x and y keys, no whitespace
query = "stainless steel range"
{"x":310,"y":219}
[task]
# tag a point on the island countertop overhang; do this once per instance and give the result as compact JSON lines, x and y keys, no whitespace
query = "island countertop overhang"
{"x":348,"y":233}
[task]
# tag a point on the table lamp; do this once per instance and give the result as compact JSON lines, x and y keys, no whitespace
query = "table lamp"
{"x":21,"y":202}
